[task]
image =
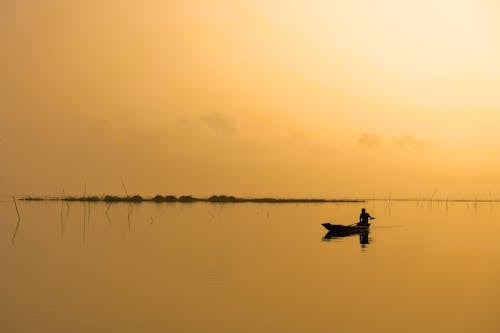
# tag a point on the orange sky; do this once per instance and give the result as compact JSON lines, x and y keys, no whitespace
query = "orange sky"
{"x":288,"y":98}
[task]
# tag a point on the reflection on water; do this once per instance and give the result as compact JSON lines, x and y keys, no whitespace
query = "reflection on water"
{"x":362,"y":236}
{"x":96,"y":267}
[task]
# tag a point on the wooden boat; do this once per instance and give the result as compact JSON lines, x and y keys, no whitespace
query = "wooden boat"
{"x":345,"y":230}
{"x":339,"y":231}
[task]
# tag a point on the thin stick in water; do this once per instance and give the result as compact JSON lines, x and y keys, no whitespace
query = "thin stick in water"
{"x":107,"y":213}
{"x":64,"y":198}
{"x":17,"y":209}
{"x":84,"y":222}
{"x":62,"y":215}
{"x":128,"y":215}
{"x":13,"y":238}
{"x":124,"y":187}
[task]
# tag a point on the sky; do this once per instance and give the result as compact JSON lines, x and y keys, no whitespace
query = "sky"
{"x":295,"y":98}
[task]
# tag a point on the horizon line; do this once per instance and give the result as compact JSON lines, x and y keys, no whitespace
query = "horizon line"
{"x":236,"y":199}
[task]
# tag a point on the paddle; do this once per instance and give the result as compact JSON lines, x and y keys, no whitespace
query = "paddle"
{"x":350,"y":225}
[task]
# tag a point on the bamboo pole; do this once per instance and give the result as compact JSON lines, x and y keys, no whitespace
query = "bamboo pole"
{"x":17,"y":209}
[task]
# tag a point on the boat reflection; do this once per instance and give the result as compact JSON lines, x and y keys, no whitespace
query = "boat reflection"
{"x":363,"y":236}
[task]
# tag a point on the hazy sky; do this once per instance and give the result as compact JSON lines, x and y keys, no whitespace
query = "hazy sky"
{"x":318,"y":98}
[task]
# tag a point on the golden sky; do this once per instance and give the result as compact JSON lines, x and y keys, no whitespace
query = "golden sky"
{"x":318,"y":98}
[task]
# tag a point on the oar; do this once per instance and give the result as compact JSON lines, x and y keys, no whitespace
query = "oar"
{"x":350,"y":225}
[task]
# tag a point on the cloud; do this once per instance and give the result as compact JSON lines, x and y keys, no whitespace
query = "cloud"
{"x":369,"y":140}
{"x":409,"y":142}
{"x":218,"y":121}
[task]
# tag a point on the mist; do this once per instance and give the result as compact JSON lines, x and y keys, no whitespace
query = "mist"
{"x":192,"y":98}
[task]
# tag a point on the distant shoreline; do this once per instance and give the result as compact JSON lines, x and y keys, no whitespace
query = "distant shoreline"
{"x":233,"y":199}
{"x":187,"y":199}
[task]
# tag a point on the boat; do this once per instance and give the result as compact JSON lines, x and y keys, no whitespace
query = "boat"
{"x":345,"y":230}
{"x":339,"y":231}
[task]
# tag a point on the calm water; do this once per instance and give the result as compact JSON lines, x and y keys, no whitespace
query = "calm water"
{"x":248,"y":268}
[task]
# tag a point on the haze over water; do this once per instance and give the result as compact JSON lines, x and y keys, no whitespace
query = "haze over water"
{"x":250,"y":98}
{"x":254,"y":99}
{"x":248,"y":268}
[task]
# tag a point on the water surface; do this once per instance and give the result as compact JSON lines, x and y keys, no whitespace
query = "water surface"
{"x":205,"y":267}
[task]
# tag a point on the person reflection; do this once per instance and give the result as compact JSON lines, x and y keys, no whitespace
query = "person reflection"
{"x":363,"y":239}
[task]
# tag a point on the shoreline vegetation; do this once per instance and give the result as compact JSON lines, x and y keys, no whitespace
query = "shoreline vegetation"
{"x":186,"y":199}
{"x":232,"y":199}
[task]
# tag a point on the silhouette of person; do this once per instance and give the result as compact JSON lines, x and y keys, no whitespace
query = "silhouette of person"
{"x":364,"y":217}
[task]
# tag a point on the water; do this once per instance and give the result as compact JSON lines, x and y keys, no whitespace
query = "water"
{"x":248,"y":268}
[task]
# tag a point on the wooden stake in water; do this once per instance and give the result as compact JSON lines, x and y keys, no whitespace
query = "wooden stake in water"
{"x":17,"y":209}
{"x":124,"y":187}
{"x":13,"y":238}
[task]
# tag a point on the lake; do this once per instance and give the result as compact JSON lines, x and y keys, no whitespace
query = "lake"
{"x":204,"y":267}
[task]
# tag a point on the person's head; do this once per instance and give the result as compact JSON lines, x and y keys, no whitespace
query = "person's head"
{"x":362,"y":210}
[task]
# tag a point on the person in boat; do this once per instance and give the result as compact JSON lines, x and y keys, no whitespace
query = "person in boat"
{"x":364,"y":217}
